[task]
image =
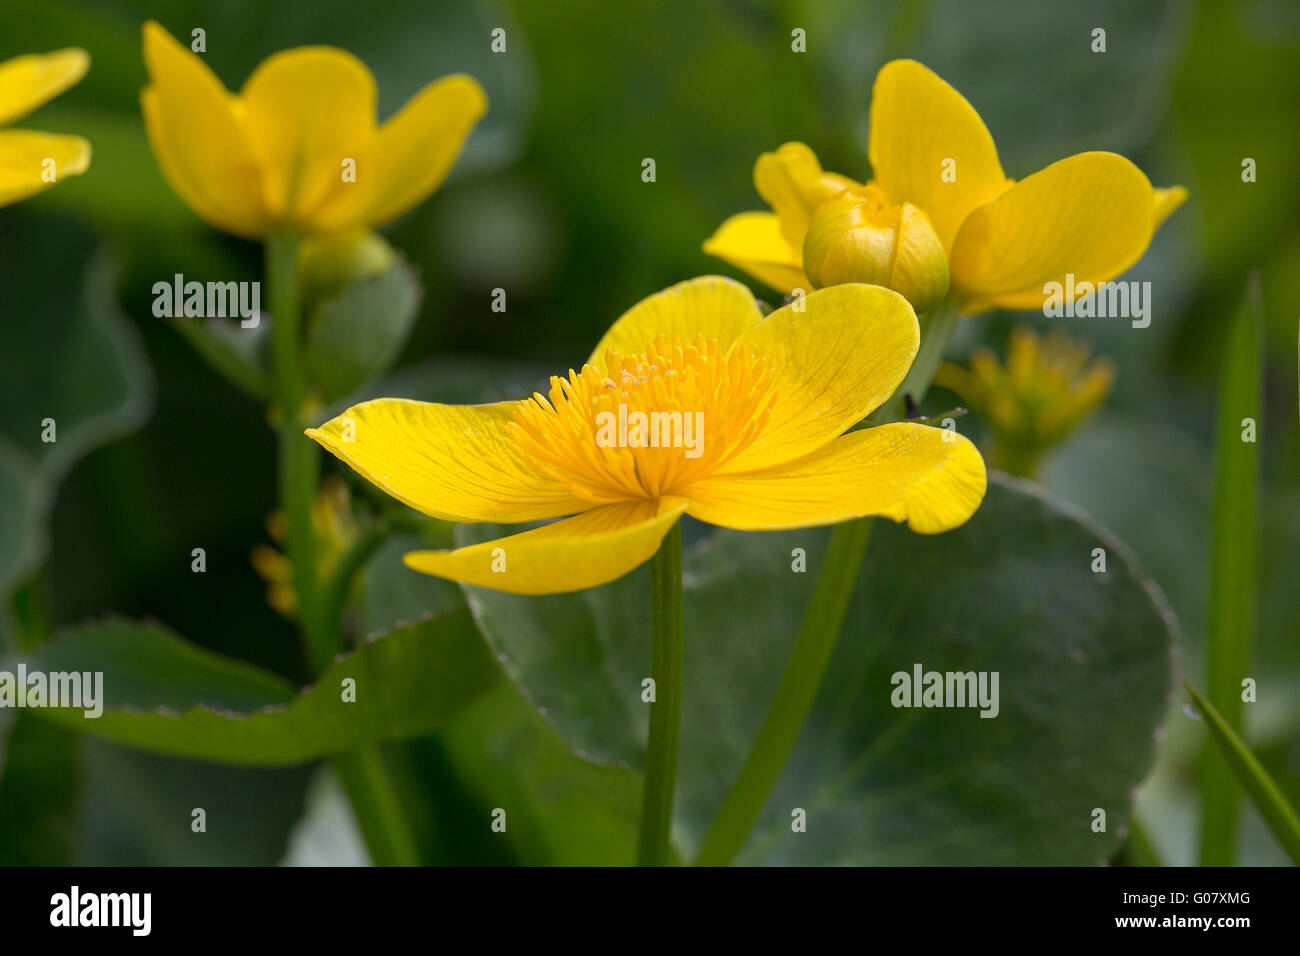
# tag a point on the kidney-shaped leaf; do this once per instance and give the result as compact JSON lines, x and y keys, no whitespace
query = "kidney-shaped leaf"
{"x":1081,"y":658}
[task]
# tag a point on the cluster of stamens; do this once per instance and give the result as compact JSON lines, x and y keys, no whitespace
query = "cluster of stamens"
{"x":699,"y":407}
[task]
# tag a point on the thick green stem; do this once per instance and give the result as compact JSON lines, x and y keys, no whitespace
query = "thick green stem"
{"x":299,"y":463}
{"x":377,"y":807}
{"x":379,"y":813}
{"x":794,"y":698}
{"x":666,"y":712}
{"x":819,"y":631}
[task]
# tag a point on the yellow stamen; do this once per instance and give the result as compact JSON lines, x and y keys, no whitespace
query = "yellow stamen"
{"x":702,"y":406}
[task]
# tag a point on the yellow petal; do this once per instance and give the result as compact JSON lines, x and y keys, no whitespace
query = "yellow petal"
{"x":28,"y":160}
{"x":308,"y":110}
{"x":410,"y":156}
{"x":581,"y":552}
{"x":200,"y":144}
{"x":28,"y":81}
{"x":918,"y":124}
{"x":712,"y":306}
{"x":905,"y":472}
{"x":753,"y":242}
{"x":794,"y":184}
{"x":1166,"y":201}
{"x":1090,"y":215}
{"x":833,"y":364}
{"x":454,"y":462}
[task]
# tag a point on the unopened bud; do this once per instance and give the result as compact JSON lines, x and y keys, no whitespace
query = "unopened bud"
{"x":327,"y":264}
{"x":860,"y":237}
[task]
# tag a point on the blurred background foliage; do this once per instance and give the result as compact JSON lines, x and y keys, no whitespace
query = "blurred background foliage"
{"x":157,"y":455}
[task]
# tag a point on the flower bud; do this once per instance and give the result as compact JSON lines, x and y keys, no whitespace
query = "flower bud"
{"x":1047,"y":387}
{"x":860,"y":237}
{"x":327,"y":264}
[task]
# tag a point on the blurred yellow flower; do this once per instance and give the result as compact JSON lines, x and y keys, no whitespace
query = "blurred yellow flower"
{"x":1036,"y":400}
{"x":745,"y":428}
{"x":335,"y":531}
{"x":1091,"y":215}
{"x":299,"y":148}
{"x":31,"y":162}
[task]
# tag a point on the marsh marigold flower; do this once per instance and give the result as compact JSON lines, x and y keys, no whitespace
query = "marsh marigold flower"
{"x":30,"y":161}
{"x":1042,"y":394}
{"x":693,"y":402}
{"x":298,"y":149}
{"x":1091,"y":215}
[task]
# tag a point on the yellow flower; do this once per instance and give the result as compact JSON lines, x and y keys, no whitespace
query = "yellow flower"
{"x":335,"y":531}
{"x":298,"y":149}
{"x":749,"y":413}
{"x":1091,"y":215}
{"x":1033,"y":403}
{"x":29,"y":161}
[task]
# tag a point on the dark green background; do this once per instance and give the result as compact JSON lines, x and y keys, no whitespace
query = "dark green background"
{"x":547,"y":202}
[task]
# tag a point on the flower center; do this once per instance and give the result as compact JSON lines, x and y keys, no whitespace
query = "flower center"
{"x":652,"y":423}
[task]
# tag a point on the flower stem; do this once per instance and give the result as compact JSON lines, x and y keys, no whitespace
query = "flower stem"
{"x":937,"y":327}
{"x":819,"y":631}
{"x":794,"y":698}
{"x":377,"y":807}
{"x":374,"y":800}
{"x":299,"y":464}
{"x":666,"y":712}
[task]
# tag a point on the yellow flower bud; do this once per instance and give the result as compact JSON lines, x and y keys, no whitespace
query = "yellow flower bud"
{"x":335,"y":531}
{"x":859,"y":236}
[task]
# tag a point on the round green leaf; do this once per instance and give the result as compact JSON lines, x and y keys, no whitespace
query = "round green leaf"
{"x":1083,"y":664}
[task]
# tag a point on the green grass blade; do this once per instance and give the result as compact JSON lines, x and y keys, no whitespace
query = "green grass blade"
{"x":1233,"y":564}
{"x":1254,"y":779}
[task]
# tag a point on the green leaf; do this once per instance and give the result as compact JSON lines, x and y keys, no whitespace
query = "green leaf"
{"x":167,"y":696}
{"x":72,"y":370}
{"x":394,"y":594}
{"x":102,"y":385}
{"x":1252,"y":776}
{"x":137,"y":809}
{"x":24,"y":507}
{"x":1083,"y":662}
{"x":356,"y":335}
{"x":561,"y":809}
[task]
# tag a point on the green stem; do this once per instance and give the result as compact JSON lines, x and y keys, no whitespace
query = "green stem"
{"x":339,"y":585}
{"x":1138,"y":848}
{"x":819,"y":631}
{"x":794,"y":698}
{"x":653,"y":847}
{"x":299,"y":463}
{"x":375,"y":802}
{"x":377,"y":806}
{"x":937,"y":327}
{"x":1231,"y":616}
